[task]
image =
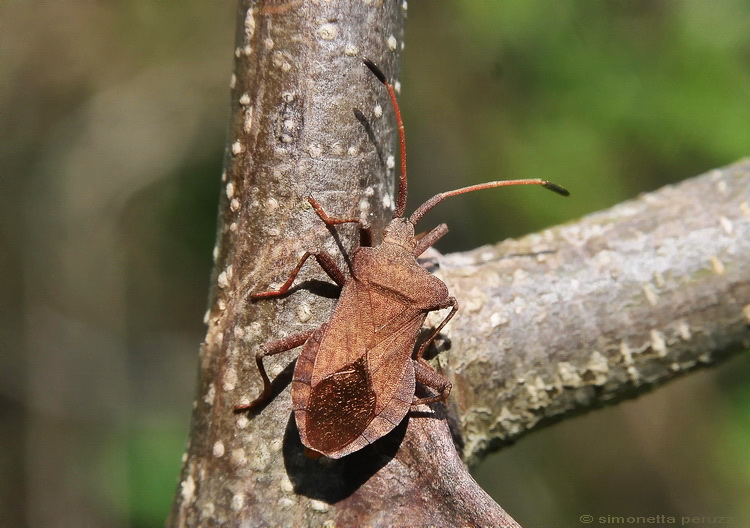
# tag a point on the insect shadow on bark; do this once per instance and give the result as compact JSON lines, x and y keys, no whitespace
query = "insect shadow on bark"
{"x":343,"y":476}
{"x":370,"y":134}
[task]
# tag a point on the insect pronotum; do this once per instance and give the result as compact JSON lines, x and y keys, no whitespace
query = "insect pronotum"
{"x":355,"y":378}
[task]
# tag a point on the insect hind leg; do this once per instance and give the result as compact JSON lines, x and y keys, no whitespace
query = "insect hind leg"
{"x":424,"y":373}
{"x":271,"y":349}
{"x":429,"y":377}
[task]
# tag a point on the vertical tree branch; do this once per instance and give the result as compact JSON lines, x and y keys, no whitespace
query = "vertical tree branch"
{"x":307,"y":119}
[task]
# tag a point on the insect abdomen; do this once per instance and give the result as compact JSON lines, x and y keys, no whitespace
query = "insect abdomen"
{"x":341,"y":406}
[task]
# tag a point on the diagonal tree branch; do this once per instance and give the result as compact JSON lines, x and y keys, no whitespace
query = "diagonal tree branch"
{"x":606,"y":308}
{"x":555,"y":323}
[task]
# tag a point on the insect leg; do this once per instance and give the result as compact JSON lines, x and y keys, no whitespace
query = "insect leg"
{"x":424,"y":373}
{"x":326,"y":262}
{"x":427,"y":376}
{"x":453,"y":303}
{"x":365,"y":235}
{"x":429,"y":238}
{"x":270,"y":349}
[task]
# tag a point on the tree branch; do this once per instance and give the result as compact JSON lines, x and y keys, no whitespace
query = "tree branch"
{"x":590,"y":313}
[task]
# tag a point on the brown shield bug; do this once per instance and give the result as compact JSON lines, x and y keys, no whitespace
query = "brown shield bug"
{"x":355,"y":378}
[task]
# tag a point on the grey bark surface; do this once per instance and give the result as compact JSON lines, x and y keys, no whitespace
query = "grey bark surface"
{"x":552,"y":324}
{"x":596,"y":311}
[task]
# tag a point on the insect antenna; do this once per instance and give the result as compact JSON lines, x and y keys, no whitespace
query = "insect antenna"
{"x":432,"y":202}
{"x":417,"y":215}
{"x":401,"y":200}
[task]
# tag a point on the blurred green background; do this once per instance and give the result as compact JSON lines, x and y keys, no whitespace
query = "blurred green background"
{"x":112,"y":123}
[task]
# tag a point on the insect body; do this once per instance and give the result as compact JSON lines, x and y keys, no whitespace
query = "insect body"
{"x":356,"y":377}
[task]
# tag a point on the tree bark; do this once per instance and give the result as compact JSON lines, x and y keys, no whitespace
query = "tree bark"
{"x":555,"y":323}
{"x":606,"y":308}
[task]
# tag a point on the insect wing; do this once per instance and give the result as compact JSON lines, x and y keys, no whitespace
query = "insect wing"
{"x":354,"y":381}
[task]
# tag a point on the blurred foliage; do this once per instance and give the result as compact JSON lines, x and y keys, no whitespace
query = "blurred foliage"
{"x":113,"y":125}
{"x":607,"y":98}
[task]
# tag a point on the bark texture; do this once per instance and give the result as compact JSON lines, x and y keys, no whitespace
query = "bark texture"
{"x":606,"y":308}
{"x":558,"y":322}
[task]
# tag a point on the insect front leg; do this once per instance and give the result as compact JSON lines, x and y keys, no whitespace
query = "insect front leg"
{"x":270,"y":349}
{"x":365,"y":235}
{"x":326,"y":262}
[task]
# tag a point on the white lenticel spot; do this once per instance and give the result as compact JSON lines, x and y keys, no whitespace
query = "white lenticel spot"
{"x":218,"y":449}
{"x":726,"y":223}
{"x":230,"y":379}
{"x":188,"y":489}
{"x":717,"y":265}
{"x":318,"y":506}
{"x":392,"y":43}
{"x":236,"y":148}
{"x":315,"y":151}
{"x":658,"y":344}
{"x":238,"y":501}
{"x":651,"y":295}
{"x":328,"y":31}
{"x":304,"y":313}
{"x":250,"y":23}
{"x":684,"y":329}
{"x":238,"y":456}
{"x":209,"y":396}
